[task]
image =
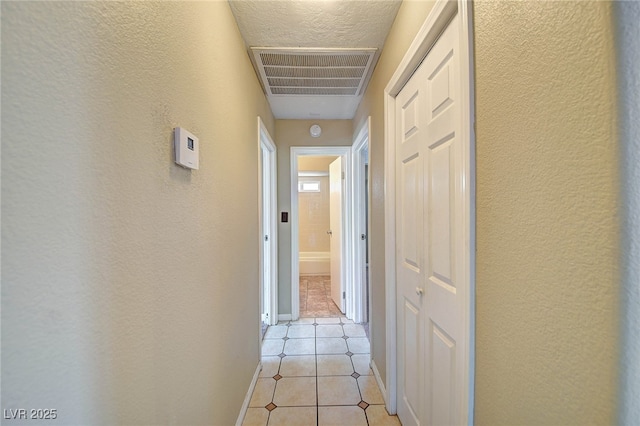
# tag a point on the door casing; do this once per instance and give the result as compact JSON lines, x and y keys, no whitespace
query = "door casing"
{"x":438,"y":19}
{"x":347,"y":203}
{"x":267,"y":184}
{"x":360,"y":224}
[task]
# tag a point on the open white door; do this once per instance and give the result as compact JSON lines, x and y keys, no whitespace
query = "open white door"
{"x":432,"y":286}
{"x":268,"y":228}
{"x":335,"y":219}
{"x":360,"y":158}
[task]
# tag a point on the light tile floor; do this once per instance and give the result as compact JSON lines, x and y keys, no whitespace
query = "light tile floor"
{"x":315,"y":371}
{"x":315,"y":297}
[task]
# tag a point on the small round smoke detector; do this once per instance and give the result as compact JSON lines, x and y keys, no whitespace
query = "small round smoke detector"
{"x":315,"y":130}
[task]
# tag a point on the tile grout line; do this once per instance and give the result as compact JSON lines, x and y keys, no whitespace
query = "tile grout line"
{"x":341,"y":321}
{"x":273,"y":396}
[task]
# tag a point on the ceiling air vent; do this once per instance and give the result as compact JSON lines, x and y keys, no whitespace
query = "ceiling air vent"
{"x":314,"y":72}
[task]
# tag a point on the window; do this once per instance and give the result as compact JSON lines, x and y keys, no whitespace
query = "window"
{"x":309,"y":186}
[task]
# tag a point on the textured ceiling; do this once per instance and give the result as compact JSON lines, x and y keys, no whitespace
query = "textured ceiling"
{"x":314,"y":24}
{"x":331,"y":24}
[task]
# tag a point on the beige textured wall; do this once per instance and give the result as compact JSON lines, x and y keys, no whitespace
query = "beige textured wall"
{"x":315,"y":163}
{"x":409,"y":19}
{"x":313,"y":210}
{"x":547,"y":224}
{"x":290,"y":133}
{"x":123,"y":274}
{"x":547,"y":221}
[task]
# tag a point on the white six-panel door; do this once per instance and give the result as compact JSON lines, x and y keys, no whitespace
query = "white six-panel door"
{"x":430,"y":241}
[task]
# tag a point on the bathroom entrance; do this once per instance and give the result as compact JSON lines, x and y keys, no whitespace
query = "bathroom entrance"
{"x":319,"y":237}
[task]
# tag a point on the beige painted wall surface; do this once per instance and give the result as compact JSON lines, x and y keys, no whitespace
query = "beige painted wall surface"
{"x":547,"y":195}
{"x":547,"y":223}
{"x":313,"y":207}
{"x":123,"y":273}
{"x":409,"y":19}
{"x":315,"y":163}
{"x":290,"y":133}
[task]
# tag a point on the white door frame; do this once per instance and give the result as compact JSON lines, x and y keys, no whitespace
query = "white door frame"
{"x":347,"y":243}
{"x":360,"y":144}
{"x":438,"y":19}
{"x":268,"y":173}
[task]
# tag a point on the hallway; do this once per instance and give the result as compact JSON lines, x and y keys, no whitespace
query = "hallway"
{"x":315,"y":371}
{"x":130,"y":283}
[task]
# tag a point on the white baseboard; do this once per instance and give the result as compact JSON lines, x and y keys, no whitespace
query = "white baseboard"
{"x":284,"y":317}
{"x":247,"y":398}
{"x":376,"y":374}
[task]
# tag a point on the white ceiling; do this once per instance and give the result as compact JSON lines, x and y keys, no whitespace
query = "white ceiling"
{"x":328,"y":24}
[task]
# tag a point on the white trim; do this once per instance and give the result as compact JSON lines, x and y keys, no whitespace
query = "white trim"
{"x":312,"y":174}
{"x":266,"y":144}
{"x":284,"y":317}
{"x":443,"y":11}
{"x":361,"y":143}
{"x":347,"y":203}
{"x":383,"y":390}
{"x":467,"y":91}
{"x":438,"y":19}
{"x":390,"y":250}
{"x":247,"y":397}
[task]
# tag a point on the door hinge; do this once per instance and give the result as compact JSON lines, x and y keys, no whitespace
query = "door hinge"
{"x":342,"y":175}
{"x":344,"y":294}
{"x":266,"y":238}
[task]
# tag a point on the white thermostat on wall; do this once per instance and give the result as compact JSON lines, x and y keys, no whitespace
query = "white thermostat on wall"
{"x":186,"y":145}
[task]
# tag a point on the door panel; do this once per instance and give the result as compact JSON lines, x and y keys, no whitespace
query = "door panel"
{"x":412,"y":353}
{"x":439,"y":218}
{"x":411,"y":213}
{"x":429,"y":172}
{"x":439,"y":84}
{"x":445,"y":303}
{"x":335,"y":220}
{"x":266,"y":246}
{"x":443,"y":376}
{"x":410,"y":252}
{"x":268,"y":235}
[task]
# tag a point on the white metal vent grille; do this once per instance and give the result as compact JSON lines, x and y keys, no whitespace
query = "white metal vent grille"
{"x":314,"y":72}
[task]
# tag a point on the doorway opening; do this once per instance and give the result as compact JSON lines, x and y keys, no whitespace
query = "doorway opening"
{"x":319,"y":225}
{"x":319,"y":243}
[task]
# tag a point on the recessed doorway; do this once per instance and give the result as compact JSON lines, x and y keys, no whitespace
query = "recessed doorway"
{"x":319,"y":217}
{"x":316,"y":243}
